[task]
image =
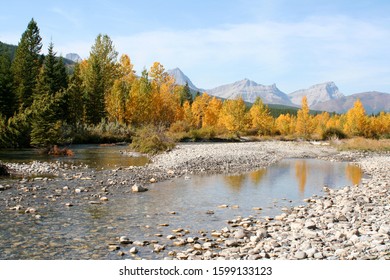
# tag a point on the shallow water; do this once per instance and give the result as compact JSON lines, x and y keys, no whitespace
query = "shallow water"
{"x":84,"y":232}
{"x":95,"y":156}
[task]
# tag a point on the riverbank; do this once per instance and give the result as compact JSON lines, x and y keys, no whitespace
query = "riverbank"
{"x":316,"y":227}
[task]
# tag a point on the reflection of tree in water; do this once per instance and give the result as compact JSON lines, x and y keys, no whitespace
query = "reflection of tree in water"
{"x":97,"y":212}
{"x":301,"y":174}
{"x":257,"y":175}
{"x":235,"y":181}
{"x":354,"y":173}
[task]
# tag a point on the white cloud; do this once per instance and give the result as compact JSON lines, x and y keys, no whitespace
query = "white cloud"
{"x":298,"y":54}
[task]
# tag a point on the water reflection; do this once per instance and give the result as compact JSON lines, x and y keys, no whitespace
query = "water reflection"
{"x":301,"y":171}
{"x":354,"y":173}
{"x":257,"y":176}
{"x":235,"y":181}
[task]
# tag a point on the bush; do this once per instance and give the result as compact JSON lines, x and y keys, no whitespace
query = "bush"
{"x":333,"y":132}
{"x":151,"y":140}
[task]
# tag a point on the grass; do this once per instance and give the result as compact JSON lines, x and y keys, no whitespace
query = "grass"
{"x":362,"y":144}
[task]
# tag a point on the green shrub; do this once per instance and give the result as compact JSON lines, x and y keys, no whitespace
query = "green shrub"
{"x":152,"y":140}
{"x":333,"y":132}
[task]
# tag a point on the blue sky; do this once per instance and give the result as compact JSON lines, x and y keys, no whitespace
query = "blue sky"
{"x":294,"y":44}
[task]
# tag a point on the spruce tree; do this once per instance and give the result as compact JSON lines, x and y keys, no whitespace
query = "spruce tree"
{"x":7,"y":97}
{"x":99,"y":78}
{"x":26,"y":65}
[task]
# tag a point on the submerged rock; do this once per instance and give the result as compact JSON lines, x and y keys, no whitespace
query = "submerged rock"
{"x":138,"y":188}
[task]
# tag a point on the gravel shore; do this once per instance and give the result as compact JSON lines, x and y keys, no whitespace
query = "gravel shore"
{"x":350,"y":223}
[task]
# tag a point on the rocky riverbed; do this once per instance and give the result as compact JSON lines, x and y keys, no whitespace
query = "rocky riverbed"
{"x":350,"y":223}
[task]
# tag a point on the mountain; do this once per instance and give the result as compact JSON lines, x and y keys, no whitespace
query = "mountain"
{"x":250,"y":90}
{"x":316,"y":94}
{"x":373,"y":102}
{"x":74,"y":57}
{"x":182,"y":79}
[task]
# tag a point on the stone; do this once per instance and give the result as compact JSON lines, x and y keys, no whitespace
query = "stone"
{"x":30,"y":210}
{"x":152,"y":180}
{"x":197,"y":246}
{"x":239,"y":234}
{"x":68,"y":204}
{"x":309,"y":224}
{"x":138,"y":188}
{"x":385,"y":229}
{"x":223,"y":206}
{"x":113,"y":247}
{"x":103,"y":198}
{"x":171,"y":236}
{"x":231,"y":243}
{"x":318,"y":256}
{"x":300,"y":255}
{"x":124,"y":240}
{"x":133,"y":250}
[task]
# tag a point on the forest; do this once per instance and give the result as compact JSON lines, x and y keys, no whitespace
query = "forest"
{"x":102,"y":100}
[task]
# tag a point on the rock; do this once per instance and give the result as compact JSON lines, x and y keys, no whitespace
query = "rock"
{"x":385,"y":229}
{"x":257,"y":208}
{"x":133,"y":250}
{"x":239,"y":234}
{"x":68,"y":204}
{"x":309,"y":224}
{"x":207,"y":245}
{"x":152,"y":180}
{"x":4,"y":170}
{"x":77,"y":190}
{"x":113,"y":247}
{"x":197,"y":246}
{"x":30,"y":210}
{"x":181,"y":256}
{"x":231,"y":243}
{"x":296,"y":226}
{"x":158,"y":248}
{"x":223,"y":206}
{"x":171,"y":237}
{"x":210,"y":212}
{"x":124,"y":240}
{"x":103,"y":198}
{"x":138,"y":188}
{"x":300,"y":255}
{"x":164,"y":225}
{"x":318,"y":256}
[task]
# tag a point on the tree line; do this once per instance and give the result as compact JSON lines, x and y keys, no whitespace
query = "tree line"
{"x":42,"y":105}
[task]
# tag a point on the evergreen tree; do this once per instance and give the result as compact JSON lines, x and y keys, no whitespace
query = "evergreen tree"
{"x":26,"y":64}
{"x":99,"y":78}
{"x":52,"y":76}
{"x":75,"y":105}
{"x":7,"y":97}
{"x":186,"y":95}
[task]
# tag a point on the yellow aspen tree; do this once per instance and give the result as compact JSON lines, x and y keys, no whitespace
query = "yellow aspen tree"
{"x":198,"y":109}
{"x":356,"y":120}
{"x":116,"y":98}
{"x":187,"y":113}
{"x":261,"y":118}
{"x":233,"y":115}
{"x":304,"y":127}
{"x":211,"y":113}
{"x":285,"y":124}
{"x":320,"y":122}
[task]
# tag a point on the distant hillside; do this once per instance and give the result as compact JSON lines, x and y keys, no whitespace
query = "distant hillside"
{"x":11,"y":49}
{"x":182,"y":79}
{"x":373,"y":102}
{"x":7,"y":48}
{"x":316,"y":94}
{"x":250,"y":90}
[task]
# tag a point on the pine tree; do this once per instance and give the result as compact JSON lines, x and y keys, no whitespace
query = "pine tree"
{"x":26,"y":65}
{"x":7,"y":97}
{"x":75,"y":105}
{"x":99,"y":77}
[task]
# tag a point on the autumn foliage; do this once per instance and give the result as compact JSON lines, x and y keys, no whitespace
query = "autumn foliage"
{"x":104,"y":95}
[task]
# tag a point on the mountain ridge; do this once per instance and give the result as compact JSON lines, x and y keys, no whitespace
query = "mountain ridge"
{"x":322,"y":97}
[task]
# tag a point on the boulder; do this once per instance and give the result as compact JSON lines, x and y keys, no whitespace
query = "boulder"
{"x":138,"y":188}
{"x":4,"y":170}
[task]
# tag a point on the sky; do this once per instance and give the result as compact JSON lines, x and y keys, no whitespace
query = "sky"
{"x":294,"y":44}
